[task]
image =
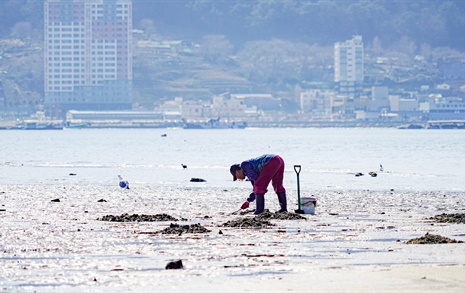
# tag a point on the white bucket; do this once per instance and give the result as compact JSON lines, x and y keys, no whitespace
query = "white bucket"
{"x":308,"y":205}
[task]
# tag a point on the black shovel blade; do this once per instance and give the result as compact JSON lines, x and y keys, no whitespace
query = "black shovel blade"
{"x":299,"y":211}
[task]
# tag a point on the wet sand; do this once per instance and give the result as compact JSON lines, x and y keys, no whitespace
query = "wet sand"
{"x":355,"y":242}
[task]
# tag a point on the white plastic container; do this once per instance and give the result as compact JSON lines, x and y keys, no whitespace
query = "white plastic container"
{"x":308,"y":205}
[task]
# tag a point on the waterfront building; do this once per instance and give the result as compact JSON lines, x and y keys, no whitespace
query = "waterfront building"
{"x":348,"y":66}
{"x":446,"y":108}
{"x":342,"y":107}
{"x":316,"y":101}
{"x":262,"y":102}
{"x":87,"y":55}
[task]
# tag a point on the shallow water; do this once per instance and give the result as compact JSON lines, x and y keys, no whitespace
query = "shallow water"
{"x":330,"y":157}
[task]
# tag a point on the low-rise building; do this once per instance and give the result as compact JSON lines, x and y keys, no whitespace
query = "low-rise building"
{"x":446,"y":108}
{"x":399,"y":104}
{"x":316,"y":101}
{"x":342,"y":107}
{"x":263,"y":102}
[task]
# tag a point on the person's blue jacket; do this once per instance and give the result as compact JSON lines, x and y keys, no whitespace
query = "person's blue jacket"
{"x":252,"y":169}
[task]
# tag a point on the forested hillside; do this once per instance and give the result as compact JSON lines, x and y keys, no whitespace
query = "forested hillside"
{"x":433,"y":22}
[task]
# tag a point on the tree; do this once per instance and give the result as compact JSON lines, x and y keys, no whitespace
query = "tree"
{"x":148,"y":26}
{"x":215,"y":48}
{"x":22,"y":30}
{"x":426,"y":52}
{"x":405,"y":45}
{"x":16,"y":11}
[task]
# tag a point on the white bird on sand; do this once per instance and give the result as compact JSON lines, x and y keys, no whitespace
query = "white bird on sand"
{"x":124,"y":184}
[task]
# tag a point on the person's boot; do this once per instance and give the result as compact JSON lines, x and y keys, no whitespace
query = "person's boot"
{"x":282,"y":202}
{"x":260,"y":203}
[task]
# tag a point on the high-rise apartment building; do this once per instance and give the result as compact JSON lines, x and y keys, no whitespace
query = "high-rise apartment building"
{"x":88,"y":55}
{"x":348,"y":60}
{"x":348,"y":67}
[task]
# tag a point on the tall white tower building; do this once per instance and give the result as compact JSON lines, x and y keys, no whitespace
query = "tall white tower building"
{"x":88,"y":55}
{"x":348,"y":60}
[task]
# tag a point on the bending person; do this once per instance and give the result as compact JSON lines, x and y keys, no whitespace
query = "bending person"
{"x":261,"y":171}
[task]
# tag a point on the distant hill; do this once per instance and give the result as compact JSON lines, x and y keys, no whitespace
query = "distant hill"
{"x":432,"y":22}
{"x":437,"y":23}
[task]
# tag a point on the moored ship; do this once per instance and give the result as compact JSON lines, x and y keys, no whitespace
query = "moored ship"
{"x":215,"y":124}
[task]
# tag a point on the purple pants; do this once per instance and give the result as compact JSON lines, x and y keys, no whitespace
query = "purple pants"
{"x":273,"y":171}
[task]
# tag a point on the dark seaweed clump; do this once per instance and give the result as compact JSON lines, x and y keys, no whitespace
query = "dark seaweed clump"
{"x":137,"y":218}
{"x":267,"y":215}
{"x":449,"y":218}
{"x":174,"y":265}
{"x":179,"y":229}
{"x":255,"y":222}
{"x":432,"y":239}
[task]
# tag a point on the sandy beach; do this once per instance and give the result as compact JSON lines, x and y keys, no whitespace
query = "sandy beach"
{"x":355,"y":242}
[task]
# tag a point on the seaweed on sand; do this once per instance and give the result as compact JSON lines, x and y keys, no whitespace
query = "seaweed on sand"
{"x":449,"y":218}
{"x":267,"y":215}
{"x":179,"y":229}
{"x":252,"y":222}
{"x":137,"y":218}
{"x":262,"y":220}
{"x":432,"y":239}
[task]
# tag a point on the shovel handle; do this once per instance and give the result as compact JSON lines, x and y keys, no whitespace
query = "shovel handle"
{"x":297,"y":170}
{"x":235,"y":212}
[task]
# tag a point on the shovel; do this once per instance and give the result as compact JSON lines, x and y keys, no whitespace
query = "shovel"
{"x":297,"y":171}
{"x":235,"y":212}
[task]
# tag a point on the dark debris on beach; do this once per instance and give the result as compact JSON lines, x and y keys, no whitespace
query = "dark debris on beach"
{"x":262,"y":220}
{"x":180,"y":229}
{"x":449,"y":218}
{"x":432,"y":239}
{"x":254,"y":222}
{"x":280,"y":216}
{"x":137,"y":218}
{"x":174,"y":265}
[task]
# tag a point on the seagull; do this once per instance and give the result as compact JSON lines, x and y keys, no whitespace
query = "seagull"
{"x":122,"y":183}
{"x":184,"y":166}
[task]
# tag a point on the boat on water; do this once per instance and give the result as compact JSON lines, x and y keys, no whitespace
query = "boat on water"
{"x":39,"y":121}
{"x":77,"y":125}
{"x":445,"y":124}
{"x":410,"y":126}
{"x":42,"y":125}
{"x":215,"y":124}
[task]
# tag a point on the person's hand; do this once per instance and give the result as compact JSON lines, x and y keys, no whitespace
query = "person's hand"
{"x":245,"y":205}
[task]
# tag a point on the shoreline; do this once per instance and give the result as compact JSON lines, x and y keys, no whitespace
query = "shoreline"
{"x":355,"y":242}
{"x":443,"y":124}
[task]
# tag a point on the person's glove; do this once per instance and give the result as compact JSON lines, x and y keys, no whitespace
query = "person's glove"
{"x":245,"y":205}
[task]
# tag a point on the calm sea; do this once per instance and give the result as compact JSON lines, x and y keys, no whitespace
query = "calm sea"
{"x":329,"y":157}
